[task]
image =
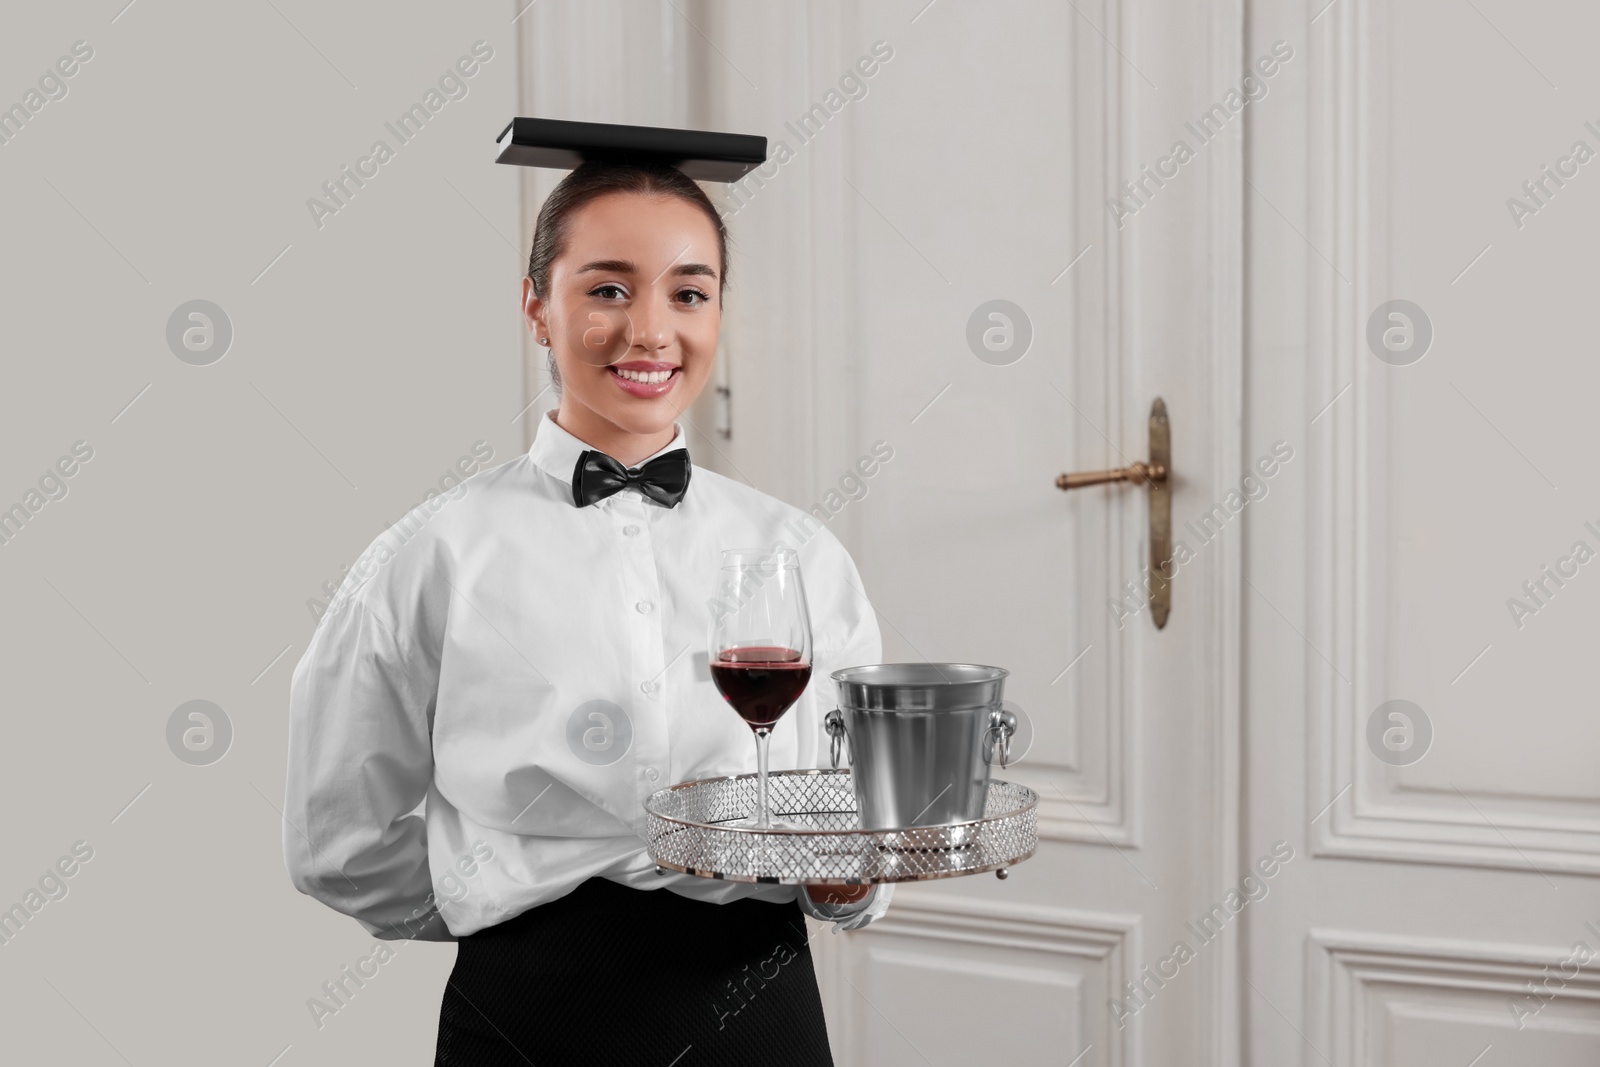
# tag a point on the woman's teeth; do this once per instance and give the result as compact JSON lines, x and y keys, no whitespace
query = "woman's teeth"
{"x":648,"y":377}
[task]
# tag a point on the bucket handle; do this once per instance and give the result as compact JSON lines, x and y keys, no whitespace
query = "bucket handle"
{"x":1005,"y":723}
{"x":834,"y":722}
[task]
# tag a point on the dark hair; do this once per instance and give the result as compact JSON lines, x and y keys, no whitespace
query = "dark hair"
{"x":595,"y":179}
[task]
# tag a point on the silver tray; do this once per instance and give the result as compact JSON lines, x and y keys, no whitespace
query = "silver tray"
{"x":685,"y":832}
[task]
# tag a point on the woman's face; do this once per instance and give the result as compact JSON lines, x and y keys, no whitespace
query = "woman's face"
{"x":633,"y":312}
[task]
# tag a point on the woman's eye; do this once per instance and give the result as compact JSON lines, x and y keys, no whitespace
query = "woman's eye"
{"x":607,"y":292}
{"x":694,"y":297}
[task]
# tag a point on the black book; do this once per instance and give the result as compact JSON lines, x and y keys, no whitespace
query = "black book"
{"x":701,"y":154}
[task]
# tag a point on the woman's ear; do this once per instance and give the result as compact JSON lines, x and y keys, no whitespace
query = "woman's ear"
{"x":533,"y":310}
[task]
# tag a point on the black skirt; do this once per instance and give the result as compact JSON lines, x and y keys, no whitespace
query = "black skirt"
{"x":613,"y":975}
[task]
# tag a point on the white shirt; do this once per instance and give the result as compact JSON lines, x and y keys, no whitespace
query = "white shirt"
{"x":504,"y":677}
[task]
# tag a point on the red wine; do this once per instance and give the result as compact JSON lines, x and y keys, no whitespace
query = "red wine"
{"x":760,"y":682}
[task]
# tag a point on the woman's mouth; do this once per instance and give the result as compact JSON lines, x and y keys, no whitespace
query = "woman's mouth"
{"x":648,"y":380}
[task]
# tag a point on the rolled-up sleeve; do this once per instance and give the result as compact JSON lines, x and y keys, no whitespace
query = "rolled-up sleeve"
{"x":361,"y":707}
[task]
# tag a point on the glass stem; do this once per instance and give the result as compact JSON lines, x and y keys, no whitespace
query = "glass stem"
{"x":762,"y":818}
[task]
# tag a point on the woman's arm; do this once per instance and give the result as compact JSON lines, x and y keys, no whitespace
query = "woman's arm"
{"x":847,"y":907}
{"x":360,"y":762}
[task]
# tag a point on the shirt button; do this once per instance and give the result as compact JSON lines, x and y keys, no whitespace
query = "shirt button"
{"x":645,"y":607}
{"x":648,"y":687}
{"x":650,"y":773}
{"x":629,"y":530}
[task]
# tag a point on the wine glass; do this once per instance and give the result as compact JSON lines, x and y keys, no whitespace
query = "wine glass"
{"x":760,"y":648}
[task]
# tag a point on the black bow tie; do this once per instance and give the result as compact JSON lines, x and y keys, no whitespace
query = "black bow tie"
{"x":664,"y":479}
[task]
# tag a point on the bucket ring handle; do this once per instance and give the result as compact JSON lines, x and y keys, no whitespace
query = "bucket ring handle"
{"x":834,"y":722}
{"x":1005,"y":723}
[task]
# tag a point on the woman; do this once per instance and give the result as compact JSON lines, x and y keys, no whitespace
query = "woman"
{"x":505,"y":677}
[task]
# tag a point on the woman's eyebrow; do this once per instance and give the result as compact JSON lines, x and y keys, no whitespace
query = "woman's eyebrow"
{"x":609,"y":266}
{"x":627,"y":266}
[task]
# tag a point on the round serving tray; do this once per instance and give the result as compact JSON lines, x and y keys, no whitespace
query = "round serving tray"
{"x":686,"y":832}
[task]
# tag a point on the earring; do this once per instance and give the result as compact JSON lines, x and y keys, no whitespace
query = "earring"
{"x":545,"y":341}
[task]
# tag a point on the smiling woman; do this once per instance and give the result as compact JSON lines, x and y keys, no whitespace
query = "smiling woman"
{"x":624,"y":286}
{"x":438,"y":711}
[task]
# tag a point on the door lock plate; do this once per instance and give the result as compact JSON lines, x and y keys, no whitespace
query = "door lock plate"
{"x":1154,"y":473}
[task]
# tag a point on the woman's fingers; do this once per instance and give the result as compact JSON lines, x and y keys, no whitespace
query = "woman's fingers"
{"x":837,"y":894}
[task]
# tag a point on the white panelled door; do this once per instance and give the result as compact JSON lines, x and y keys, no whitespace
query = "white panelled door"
{"x":1422,"y":603}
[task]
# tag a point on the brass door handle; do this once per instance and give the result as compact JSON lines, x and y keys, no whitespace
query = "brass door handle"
{"x":1154,"y":474}
{"x":1133,"y":472}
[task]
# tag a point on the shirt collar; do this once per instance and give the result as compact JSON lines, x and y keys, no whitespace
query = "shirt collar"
{"x":556,"y":452}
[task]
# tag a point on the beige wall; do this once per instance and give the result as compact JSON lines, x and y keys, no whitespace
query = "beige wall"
{"x":364,"y":363}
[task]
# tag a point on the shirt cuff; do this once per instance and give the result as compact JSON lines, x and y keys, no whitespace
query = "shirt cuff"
{"x":428,"y":927}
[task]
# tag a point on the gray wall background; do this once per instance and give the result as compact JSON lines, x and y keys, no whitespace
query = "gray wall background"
{"x":367,"y":357}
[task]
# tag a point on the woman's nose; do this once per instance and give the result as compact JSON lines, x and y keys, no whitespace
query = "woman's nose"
{"x":650,"y":325}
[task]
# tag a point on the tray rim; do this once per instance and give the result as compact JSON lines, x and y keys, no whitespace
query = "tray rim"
{"x":926,"y":876}
{"x":1030,"y":803}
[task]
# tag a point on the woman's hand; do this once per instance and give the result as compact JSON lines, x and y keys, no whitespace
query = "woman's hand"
{"x":837,"y":894}
{"x":845,"y":907}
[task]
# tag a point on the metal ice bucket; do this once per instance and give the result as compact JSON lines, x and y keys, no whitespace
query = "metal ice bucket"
{"x":920,"y":738}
